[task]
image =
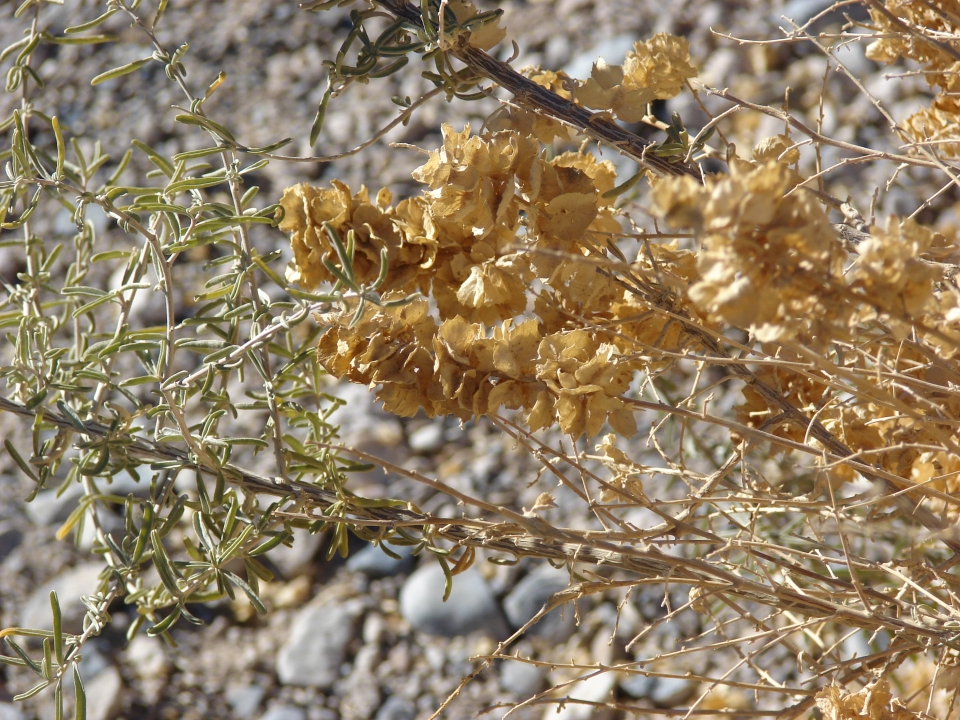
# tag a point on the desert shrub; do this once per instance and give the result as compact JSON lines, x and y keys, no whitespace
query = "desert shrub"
{"x":744,"y":375}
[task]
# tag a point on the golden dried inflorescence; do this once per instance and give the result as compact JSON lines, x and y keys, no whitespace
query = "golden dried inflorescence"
{"x":874,"y":702}
{"x":654,"y":70}
{"x":768,"y":257}
{"x":771,"y":262}
{"x":499,"y":216}
{"x":910,"y":33}
{"x":495,"y":215}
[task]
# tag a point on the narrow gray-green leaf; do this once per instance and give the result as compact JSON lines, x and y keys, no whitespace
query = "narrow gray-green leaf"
{"x":120,"y":71}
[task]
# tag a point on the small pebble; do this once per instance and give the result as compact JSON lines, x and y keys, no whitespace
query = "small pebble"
{"x":396,"y":708}
{"x":9,"y":711}
{"x":317,"y":644}
{"x":427,"y":439}
{"x":103,"y":695}
{"x":284,"y":712}
{"x":244,"y":699}
{"x":471,"y":606}
{"x":670,"y":692}
{"x":528,"y":597}
{"x":520,"y":678}
{"x":373,"y":562}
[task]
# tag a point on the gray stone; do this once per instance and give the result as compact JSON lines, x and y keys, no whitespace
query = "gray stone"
{"x":361,"y":696}
{"x":294,"y":560}
{"x":317,"y":644}
{"x":396,"y":708}
{"x":47,"y":508}
{"x":471,"y":606}
{"x":103,"y":695}
{"x":530,"y":595}
{"x":70,"y":587}
{"x":520,"y":678}
{"x":9,"y":711}
{"x":147,"y":657}
{"x":374,"y":628}
{"x":670,"y":692}
{"x":373,"y":562}
{"x":93,"y":661}
{"x":284,"y":712}
{"x":637,"y":686}
{"x":427,"y":438}
{"x":10,"y":539}
{"x":244,"y":699}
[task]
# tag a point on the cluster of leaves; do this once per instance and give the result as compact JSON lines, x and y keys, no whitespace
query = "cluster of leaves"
{"x":440,"y":25}
{"x":495,"y":215}
{"x":104,"y":394}
{"x":875,"y":702}
{"x":771,"y":262}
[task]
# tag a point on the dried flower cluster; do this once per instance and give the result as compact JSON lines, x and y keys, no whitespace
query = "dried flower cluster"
{"x":482,"y":35}
{"x":495,"y":216}
{"x":654,"y":70}
{"x":925,"y":33}
{"x":874,"y":702}
{"x":767,"y":256}
{"x":771,"y":262}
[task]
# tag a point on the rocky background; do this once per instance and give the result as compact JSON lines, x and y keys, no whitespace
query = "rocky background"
{"x":369,"y":638}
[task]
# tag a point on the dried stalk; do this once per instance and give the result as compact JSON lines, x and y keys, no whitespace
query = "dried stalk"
{"x":524,"y":536}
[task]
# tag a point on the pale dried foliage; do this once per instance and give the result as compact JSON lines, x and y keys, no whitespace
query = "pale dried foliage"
{"x":796,"y":381}
{"x":654,"y":70}
{"x":924,"y":32}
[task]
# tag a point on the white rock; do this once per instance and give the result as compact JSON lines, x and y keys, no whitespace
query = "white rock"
{"x":427,"y":439}
{"x":9,"y":711}
{"x":520,"y":678}
{"x":594,"y":689}
{"x":103,"y":695}
{"x":70,"y":586}
{"x":284,"y":712}
{"x":148,"y":659}
{"x":244,"y":699}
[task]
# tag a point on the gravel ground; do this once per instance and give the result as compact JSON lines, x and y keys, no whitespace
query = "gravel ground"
{"x":369,"y":638}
